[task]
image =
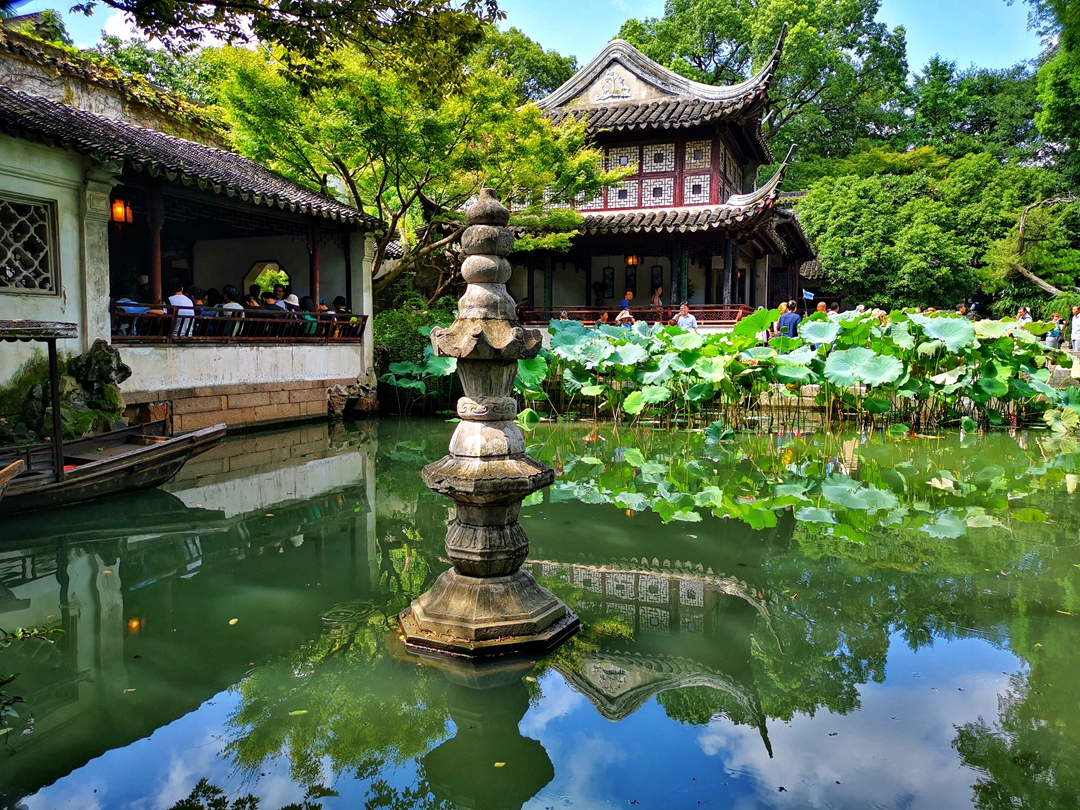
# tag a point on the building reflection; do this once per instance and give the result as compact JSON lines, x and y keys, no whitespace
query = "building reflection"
{"x":147,"y":587}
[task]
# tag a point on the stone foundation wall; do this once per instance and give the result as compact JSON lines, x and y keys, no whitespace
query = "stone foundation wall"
{"x":245,"y":405}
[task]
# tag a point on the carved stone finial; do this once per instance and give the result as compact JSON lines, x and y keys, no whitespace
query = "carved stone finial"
{"x":487,"y":210}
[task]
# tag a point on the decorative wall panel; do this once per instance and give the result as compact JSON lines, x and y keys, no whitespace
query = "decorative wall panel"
{"x":659,"y":157}
{"x":698,"y":154}
{"x":624,"y":195}
{"x":28,"y":249}
{"x":696,"y":189}
{"x":658,"y":191}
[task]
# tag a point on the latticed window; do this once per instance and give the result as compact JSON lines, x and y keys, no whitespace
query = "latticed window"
{"x":28,"y":249}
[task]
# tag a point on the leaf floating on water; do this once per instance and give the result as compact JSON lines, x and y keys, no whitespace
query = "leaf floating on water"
{"x":500,"y":764}
{"x":132,"y":689}
{"x":233,"y":621}
{"x":107,"y":571}
{"x":295,"y":712}
{"x":530,"y":679}
{"x":269,"y":514}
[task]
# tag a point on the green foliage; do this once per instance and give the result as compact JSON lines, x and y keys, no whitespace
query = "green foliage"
{"x":536,"y":71}
{"x":919,"y":369}
{"x":396,"y":332}
{"x":928,"y":238}
{"x":382,"y":142}
{"x":444,"y":32}
{"x":190,"y":73}
{"x":839,"y":71}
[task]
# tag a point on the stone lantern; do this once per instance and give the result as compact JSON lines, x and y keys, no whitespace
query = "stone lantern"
{"x":486,"y":605}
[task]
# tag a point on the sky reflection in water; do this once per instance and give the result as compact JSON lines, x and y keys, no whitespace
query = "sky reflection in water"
{"x":899,"y":649}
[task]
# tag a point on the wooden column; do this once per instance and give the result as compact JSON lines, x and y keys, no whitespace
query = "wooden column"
{"x":347,"y":243}
{"x":313,"y":262}
{"x":547,"y":280}
{"x":157,"y":222}
{"x":57,"y":420}
{"x":676,"y":285}
{"x":729,"y":271}
{"x":710,"y":291}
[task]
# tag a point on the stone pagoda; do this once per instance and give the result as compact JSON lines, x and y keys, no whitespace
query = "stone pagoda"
{"x":486,"y":604}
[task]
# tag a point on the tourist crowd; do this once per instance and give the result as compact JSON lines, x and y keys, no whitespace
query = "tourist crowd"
{"x":190,"y":311}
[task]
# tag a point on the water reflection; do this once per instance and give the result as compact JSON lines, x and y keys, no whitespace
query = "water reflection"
{"x":859,"y":620}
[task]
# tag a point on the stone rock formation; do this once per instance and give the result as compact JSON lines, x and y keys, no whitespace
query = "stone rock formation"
{"x":486,"y":605}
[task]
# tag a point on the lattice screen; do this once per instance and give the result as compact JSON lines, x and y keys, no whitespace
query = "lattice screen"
{"x":698,"y":154}
{"x":27,"y":247}
{"x":660,"y":157}
{"x":696,"y":189}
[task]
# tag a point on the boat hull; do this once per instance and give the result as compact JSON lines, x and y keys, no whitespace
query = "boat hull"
{"x":141,"y":467}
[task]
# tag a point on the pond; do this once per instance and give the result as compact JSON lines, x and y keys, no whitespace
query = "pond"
{"x":841,"y":621}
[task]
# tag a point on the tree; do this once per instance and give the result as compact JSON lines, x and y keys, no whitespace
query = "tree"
{"x":976,"y":110}
{"x":837,"y":81}
{"x":921,"y":238}
{"x":187,"y":72}
{"x":444,"y":31}
{"x":376,"y":138}
{"x":538,"y":72}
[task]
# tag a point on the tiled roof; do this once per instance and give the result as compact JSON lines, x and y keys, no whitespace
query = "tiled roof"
{"x":740,"y":212}
{"x":158,"y":154}
{"x":682,"y":102}
{"x":85,"y":67}
{"x":668,"y":113}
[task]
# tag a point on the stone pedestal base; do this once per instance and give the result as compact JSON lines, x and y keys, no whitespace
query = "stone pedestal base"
{"x":479,"y":617}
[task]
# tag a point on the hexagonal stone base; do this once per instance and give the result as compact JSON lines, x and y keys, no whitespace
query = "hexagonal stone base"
{"x":480,"y":617}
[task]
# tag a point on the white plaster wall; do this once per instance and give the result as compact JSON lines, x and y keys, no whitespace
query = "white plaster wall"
{"x":518,"y":285}
{"x":218,"y":262}
{"x":283,"y":484}
{"x":51,"y":174}
{"x":163,"y":368}
{"x":567,"y":286}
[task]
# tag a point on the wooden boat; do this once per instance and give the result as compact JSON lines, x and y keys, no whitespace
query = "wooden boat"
{"x":9,"y":472}
{"x":120,"y":461}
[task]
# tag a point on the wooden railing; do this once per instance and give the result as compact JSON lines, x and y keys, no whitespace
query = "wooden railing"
{"x":706,"y":314}
{"x":214,"y":326}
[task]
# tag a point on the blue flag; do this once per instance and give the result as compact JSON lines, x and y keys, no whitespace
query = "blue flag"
{"x":808,"y":295}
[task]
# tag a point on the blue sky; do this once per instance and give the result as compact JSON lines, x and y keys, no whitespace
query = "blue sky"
{"x":988,"y":33}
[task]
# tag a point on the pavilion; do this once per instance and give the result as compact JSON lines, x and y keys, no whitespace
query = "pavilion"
{"x":691,"y":218}
{"x":104,"y":179}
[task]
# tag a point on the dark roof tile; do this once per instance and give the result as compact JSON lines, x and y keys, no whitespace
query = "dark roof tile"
{"x":107,"y":140}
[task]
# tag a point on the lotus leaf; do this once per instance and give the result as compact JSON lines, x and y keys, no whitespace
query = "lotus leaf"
{"x":699,"y":392}
{"x":758,"y":322}
{"x":992,"y":386}
{"x":528,"y":418}
{"x":593,"y":390}
{"x":842,"y":367}
{"x":946,"y":526}
{"x":634,"y":403}
{"x":631,"y":500}
{"x":814,"y":514}
{"x":929,"y":348}
{"x":687,"y":340}
{"x":819,"y":331}
{"x":594,"y":353}
{"x":876,"y":406}
{"x":712,"y":369}
{"x":532,"y":372}
{"x":900,"y":334}
{"x":956,"y":333}
{"x":652,"y":394}
{"x":880,"y":370}
{"x":992,"y":330}
{"x":629,"y":354}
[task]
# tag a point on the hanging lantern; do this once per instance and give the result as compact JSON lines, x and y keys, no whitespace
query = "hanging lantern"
{"x":631,"y":261}
{"x":121,"y":212}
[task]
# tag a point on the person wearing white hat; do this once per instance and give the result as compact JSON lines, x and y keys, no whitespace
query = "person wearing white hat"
{"x":292,"y":303}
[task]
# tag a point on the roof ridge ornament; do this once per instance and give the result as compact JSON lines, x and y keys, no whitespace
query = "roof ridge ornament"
{"x":768,"y":191}
{"x":621,"y":52}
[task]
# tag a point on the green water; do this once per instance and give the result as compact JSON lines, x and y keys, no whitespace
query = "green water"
{"x":773,"y":621}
